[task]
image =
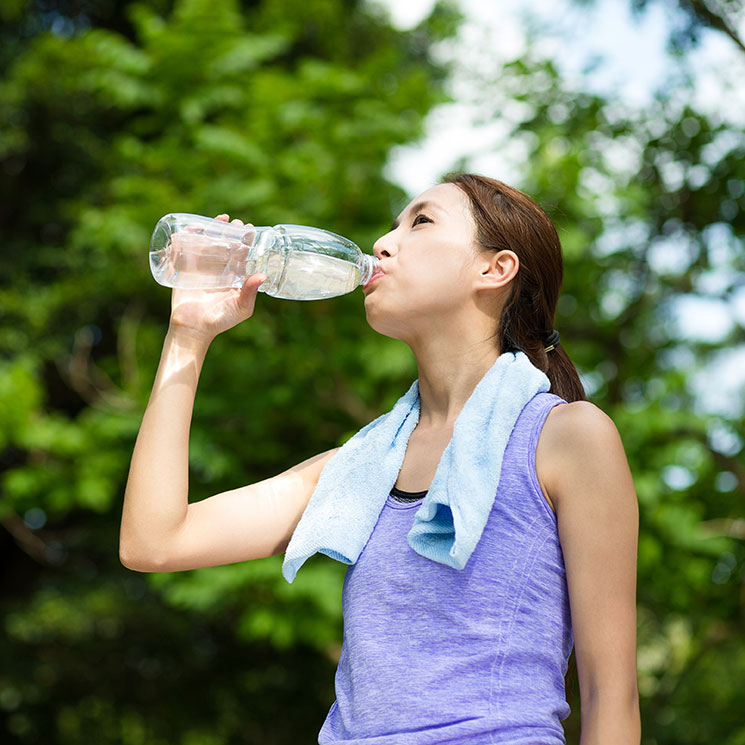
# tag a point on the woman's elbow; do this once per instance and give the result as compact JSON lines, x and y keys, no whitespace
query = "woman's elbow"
{"x":141,"y":561}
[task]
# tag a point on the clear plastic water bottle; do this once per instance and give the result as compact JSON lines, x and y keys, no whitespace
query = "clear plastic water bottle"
{"x":301,"y":263}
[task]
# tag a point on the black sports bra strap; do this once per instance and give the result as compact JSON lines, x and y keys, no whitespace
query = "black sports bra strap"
{"x":407,"y":496}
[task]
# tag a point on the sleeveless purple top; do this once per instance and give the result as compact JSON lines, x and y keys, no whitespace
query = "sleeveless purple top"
{"x":434,"y":655}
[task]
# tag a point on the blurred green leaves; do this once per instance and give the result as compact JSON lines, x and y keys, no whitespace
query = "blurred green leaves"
{"x":272,"y":111}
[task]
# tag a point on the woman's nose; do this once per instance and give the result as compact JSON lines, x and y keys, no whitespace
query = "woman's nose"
{"x":382,"y":246}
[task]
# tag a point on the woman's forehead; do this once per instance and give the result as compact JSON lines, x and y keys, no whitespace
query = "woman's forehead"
{"x":443,"y":195}
{"x":446,"y":198}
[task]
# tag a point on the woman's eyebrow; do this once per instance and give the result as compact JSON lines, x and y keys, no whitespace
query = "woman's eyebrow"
{"x":415,"y":208}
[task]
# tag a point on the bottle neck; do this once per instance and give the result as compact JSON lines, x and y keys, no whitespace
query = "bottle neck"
{"x":370,"y":266}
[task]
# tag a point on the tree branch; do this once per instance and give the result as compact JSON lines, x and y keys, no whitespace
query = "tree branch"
{"x":715,"y":20}
{"x":27,"y":541}
{"x":88,"y":380}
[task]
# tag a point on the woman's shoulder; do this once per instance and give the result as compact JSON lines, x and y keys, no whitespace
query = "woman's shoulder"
{"x":565,"y":418}
{"x":572,"y":433}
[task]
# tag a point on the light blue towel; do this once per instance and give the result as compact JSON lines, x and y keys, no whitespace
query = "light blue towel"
{"x":354,"y":485}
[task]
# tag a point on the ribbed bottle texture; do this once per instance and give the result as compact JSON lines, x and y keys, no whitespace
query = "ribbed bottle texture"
{"x":301,"y":263}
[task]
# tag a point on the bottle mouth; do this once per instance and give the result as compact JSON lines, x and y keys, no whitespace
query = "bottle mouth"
{"x":371,"y":267}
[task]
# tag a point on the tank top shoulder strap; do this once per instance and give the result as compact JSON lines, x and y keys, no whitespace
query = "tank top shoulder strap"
{"x":533,"y":417}
{"x":520,"y":469}
{"x":536,"y":410}
{"x":529,"y":423}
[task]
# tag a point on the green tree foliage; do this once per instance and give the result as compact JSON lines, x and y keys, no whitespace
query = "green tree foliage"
{"x":111,"y":116}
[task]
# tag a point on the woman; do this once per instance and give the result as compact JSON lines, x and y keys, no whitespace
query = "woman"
{"x":471,"y":269}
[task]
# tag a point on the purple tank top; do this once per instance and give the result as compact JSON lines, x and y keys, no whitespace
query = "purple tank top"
{"x":434,"y":655}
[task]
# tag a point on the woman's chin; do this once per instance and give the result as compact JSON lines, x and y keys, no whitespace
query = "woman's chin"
{"x":379,"y":325}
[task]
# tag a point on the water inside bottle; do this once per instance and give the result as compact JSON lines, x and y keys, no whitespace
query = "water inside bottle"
{"x":314,"y":276}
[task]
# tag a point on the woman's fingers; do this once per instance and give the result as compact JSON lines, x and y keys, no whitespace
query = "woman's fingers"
{"x":226,"y":218}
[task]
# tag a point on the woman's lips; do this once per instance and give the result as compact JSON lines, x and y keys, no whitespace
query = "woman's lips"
{"x":374,"y":277}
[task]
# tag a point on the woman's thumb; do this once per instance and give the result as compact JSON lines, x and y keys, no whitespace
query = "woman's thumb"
{"x":249,"y":288}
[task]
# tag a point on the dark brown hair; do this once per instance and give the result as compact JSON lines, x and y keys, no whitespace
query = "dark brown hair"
{"x":506,"y":218}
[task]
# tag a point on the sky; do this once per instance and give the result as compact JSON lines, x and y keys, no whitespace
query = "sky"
{"x":634,"y":63}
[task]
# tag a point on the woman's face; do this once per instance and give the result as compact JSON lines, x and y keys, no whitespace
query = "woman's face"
{"x":428,"y":262}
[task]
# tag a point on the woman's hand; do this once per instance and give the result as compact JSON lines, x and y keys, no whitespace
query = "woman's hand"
{"x":207,"y":313}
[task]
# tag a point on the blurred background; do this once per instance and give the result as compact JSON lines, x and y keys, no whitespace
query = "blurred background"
{"x":625,"y":119}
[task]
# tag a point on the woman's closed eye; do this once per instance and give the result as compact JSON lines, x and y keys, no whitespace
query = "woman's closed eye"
{"x":416,"y":220}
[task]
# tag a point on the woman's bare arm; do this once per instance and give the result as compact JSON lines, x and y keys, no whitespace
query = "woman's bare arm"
{"x":251,"y":522}
{"x":597,"y":511}
{"x":156,"y":495}
{"x":160,"y":530}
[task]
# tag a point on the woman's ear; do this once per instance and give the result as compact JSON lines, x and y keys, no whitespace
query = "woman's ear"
{"x":496,"y":269}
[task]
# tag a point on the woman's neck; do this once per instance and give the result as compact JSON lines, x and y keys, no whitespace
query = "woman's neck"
{"x":446,"y":381}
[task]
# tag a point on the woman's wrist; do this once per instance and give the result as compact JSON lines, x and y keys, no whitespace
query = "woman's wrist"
{"x":189,"y":339}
